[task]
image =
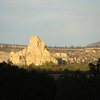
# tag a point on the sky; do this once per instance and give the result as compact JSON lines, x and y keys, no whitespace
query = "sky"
{"x":56,"y":22}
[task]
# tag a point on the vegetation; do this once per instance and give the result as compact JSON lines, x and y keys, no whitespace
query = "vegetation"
{"x":60,"y":67}
{"x":78,"y":87}
{"x":18,"y":83}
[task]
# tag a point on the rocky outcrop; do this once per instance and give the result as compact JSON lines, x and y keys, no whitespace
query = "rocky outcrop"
{"x":83,"y":55}
{"x":35,"y":53}
{"x":4,"y":56}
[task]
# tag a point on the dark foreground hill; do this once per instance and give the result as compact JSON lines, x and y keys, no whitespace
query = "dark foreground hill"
{"x":20,"y":84}
{"x":96,"y":44}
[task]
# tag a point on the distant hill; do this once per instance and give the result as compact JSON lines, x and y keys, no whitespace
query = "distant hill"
{"x":96,"y":44}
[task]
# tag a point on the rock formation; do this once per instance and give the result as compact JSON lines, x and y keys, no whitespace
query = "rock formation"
{"x":35,"y":53}
{"x":4,"y":56}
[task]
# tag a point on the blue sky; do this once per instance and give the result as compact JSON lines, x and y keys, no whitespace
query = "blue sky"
{"x":57,"y":22}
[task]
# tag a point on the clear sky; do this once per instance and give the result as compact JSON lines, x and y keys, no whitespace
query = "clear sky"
{"x":57,"y":22}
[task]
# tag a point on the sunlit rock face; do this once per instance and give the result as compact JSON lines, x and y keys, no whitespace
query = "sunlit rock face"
{"x":35,"y":53}
{"x":4,"y":56}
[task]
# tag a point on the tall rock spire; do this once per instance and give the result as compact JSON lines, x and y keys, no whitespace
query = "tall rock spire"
{"x":35,"y":53}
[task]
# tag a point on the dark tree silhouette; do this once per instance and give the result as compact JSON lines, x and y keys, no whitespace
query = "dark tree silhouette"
{"x":20,"y":84}
{"x":95,"y":67}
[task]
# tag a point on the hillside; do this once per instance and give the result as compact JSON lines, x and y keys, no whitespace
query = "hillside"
{"x":96,"y":44}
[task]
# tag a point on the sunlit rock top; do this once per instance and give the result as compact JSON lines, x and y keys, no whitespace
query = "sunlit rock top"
{"x":35,"y":53}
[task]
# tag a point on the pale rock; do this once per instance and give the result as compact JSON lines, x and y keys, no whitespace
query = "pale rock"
{"x":35,"y":53}
{"x":4,"y":56}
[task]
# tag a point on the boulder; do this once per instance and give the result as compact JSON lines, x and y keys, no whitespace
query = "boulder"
{"x":35,"y":53}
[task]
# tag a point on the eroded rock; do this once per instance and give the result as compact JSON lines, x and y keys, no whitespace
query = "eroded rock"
{"x":35,"y":53}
